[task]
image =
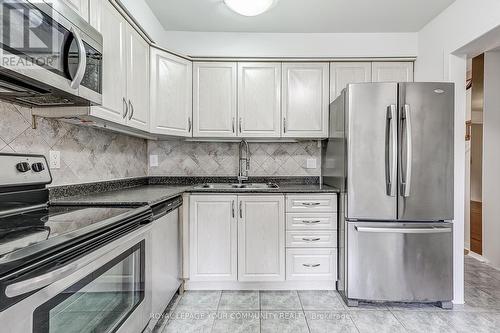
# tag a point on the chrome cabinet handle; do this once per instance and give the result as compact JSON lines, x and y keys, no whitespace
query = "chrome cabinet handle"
{"x":311,"y":239}
{"x":311,"y":222}
{"x":406,"y":176}
{"x":311,"y":204}
{"x":241,"y":120}
{"x":125,"y":108}
{"x":234,"y":120}
{"x":241,"y":209}
{"x":189,"y":125}
{"x":82,"y":60}
{"x":311,"y":265}
{"x":391,"y":157}
{"x":232,"y":208}
{"x":284,"y":125}
{"x":131,"y":107}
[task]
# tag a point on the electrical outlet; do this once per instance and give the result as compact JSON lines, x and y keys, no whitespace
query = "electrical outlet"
{"x":153,"y":160}
{"x":311,"y":163}
{"x":55,"y":159}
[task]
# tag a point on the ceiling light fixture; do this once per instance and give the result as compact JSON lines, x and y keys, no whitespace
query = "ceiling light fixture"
{"x":250,"y":7}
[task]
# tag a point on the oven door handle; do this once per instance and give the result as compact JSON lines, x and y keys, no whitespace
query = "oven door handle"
{"x":41,"y":281}
{"x":82,"y":60}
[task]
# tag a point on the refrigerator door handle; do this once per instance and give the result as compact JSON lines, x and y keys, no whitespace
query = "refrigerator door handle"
{"x":406,"y":175}
{"x":432,"y":230}
{"x":391,"y":156}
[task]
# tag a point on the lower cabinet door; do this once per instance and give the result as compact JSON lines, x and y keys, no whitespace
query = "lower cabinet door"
{"x":213,"y":238}
{"x":311,"y":264}
{"x":261,"y":238}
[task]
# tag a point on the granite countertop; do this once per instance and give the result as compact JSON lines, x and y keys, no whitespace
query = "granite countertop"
{"x":152,"y":194}
{"x":283,"y":188}
{"x":134,"y":196}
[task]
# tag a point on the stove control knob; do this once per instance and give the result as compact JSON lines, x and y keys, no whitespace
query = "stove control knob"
{"x":23,"y":167}
{"x":38,"y":167}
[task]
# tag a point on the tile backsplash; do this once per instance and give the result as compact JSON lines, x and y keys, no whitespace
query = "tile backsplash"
{"x":179,"y":158}
{"x":87,"y":154}
{"x":91,"y":155}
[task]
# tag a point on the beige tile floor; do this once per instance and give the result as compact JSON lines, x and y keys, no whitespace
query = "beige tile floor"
{"x":324,"y":311}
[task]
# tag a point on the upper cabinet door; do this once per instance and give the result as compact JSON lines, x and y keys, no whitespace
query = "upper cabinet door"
{"x":114,"y":76}
{"x":137,"y":80}
{"x":305,"y":100}
{"x":79,"y":6}
{"x":259,"y":100}
{"x":214,"y":99}
{"x":343,"y":73}
{"x":392,"y":71}
{"x":171,"y":94}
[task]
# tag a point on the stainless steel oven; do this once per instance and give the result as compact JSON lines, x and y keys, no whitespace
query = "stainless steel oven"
{"x":108,"y":290}
{"x":50,"y":55}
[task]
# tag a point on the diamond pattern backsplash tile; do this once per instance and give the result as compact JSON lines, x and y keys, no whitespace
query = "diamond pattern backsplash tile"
{"x":178,"y":158}
{"x":87,"y":154}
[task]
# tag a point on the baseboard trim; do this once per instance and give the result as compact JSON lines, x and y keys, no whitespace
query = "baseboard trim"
{"x":282,"y":285}
{"x":478,"y":257}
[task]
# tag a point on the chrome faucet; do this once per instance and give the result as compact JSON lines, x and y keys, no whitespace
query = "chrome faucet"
{"x":244,"y":162}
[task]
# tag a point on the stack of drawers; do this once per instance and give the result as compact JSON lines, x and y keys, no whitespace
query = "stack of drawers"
{"x":311,"y":237}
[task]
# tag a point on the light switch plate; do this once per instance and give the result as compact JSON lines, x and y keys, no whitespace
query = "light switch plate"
{"x":54,"y":159}
{"x":311,"y":163}
{"x":153,"y":160}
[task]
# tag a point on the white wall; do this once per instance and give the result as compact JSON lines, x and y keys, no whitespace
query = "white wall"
{"x":491,"y":159}
{"x":143,"y":14}
{"x":460,"y":24}
{"x":217,"y":44}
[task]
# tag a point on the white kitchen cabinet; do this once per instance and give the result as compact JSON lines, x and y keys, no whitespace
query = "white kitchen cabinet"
{"x":137,"y":80}
{"x":392,"y":71}
{"x":261,"y":231}
{"x":171,"y":94}
{"x":311,"y":264}
{"x":125,"y":76}
{"x":79,"y":6}
{"x":214,"y":99}
{"x":305,"y":99}
{"x":112,"y":26}
{"x":259,"y":100}
{"x":213,"y":238}
{"x":344,"y":73}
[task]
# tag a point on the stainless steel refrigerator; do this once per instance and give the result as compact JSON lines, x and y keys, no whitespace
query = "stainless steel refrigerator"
{"x":390,"y":151}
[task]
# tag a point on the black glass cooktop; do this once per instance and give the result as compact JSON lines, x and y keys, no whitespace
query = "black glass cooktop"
{"x":29,"y":228}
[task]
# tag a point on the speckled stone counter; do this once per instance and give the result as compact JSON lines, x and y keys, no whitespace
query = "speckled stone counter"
{"x":149,"y":191}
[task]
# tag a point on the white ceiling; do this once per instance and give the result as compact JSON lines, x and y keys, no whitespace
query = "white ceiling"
{"x":300,"y":16}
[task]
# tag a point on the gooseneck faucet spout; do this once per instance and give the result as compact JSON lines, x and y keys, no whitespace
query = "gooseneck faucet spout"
{"x":243,"y":162}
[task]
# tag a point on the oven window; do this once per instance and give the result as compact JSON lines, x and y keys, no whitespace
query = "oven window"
{"x":99,"y":302}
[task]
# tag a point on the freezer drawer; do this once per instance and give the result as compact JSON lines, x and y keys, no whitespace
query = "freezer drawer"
{"x":405,"y":262}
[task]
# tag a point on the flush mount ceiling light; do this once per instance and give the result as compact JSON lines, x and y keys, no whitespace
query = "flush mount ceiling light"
{"x":250,"y":7}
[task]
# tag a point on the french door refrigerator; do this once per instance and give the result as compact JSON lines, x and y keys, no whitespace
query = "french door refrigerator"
{"x":390,"y":151}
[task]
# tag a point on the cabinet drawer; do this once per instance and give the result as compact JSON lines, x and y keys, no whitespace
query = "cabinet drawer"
{"x":311,"y":239}
{"x":311,"y":203}
{"x":311,"y":264}
{"x":311,"y":221}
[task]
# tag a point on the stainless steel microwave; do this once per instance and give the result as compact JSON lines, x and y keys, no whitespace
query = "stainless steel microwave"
{"x":50,"y":56}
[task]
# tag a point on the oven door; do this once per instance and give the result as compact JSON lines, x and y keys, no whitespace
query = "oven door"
{"x":110,"y":294}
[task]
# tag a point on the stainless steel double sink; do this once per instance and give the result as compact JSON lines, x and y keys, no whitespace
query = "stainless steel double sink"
{"x":237,"y":186}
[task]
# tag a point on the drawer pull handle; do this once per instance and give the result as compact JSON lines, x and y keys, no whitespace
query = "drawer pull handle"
{"x":311,"y":204}
{"x":311,"y":265}
{"x":311,"y":222}
{"x":311,"y":239}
